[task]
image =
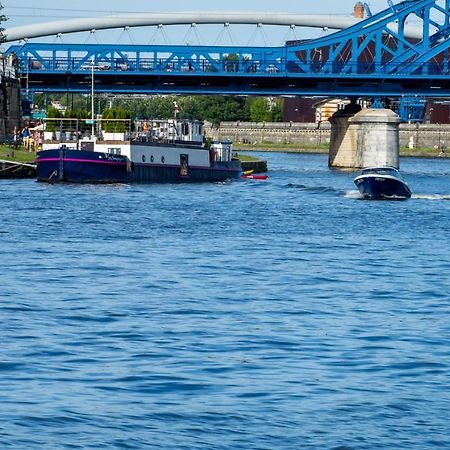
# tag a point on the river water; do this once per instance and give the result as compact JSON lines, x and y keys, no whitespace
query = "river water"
{"x":278,"y":314}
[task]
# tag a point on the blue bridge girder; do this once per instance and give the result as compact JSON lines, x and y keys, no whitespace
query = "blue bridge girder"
{"x":371,"y":58}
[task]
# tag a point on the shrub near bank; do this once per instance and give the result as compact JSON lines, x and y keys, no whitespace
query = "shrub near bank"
{"x":114,"y":120}
{"x":52,"y":124}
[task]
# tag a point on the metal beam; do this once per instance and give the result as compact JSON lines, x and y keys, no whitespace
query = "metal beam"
{"x":183,"y":18}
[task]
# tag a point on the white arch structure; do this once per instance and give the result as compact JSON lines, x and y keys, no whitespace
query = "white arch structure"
{"x":182,"y":18}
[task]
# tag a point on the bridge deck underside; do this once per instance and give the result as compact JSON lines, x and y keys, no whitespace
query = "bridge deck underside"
{"x":236,"y":85}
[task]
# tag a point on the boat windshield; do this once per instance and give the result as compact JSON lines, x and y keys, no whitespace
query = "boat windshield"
{"x":382,"y":171}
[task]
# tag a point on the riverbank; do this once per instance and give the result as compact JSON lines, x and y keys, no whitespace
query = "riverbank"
{"x":423,"y":152}
{"x":19,"y":155}
{"x":12,"y":169}
{"x":286,"y":148}
{"x":251,"y":163}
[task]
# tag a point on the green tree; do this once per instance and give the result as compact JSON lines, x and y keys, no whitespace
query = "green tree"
{"x":155,"y":107}
{"x":213,"y":108}
{"x":69,"y":114}
{"x":123,"y":115}
{"x":120,"y":115}
{"x":263,"y":109}
{"x":259,"y":110}
{"x":53,"y":114}
{"x":277,"y":110}
{"x":107,"y":125}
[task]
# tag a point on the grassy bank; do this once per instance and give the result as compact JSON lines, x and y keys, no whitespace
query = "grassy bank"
{"x":246,"y":158}
{"x":421,"y":152}
{"x":277,"y":147}
{"x":19,"y":155}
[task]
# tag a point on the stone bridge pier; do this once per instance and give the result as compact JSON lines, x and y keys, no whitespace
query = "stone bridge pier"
{"x":364,"y":138}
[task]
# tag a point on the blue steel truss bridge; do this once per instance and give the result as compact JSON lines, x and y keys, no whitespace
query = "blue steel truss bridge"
{"x":375,"y":57}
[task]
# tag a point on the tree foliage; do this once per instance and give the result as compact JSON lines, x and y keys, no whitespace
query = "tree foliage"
{"x":120,"y":115}
{"x":211,"y":108}
{"x":52,"y":113}
{"x":263,"y":109}
{"x":214,"y":109}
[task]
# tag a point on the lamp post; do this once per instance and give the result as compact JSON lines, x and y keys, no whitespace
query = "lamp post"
{"x":92,"y":97}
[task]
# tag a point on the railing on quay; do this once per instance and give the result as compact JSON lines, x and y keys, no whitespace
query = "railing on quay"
{"x":71,"y":130}
{"x":75,"y":129}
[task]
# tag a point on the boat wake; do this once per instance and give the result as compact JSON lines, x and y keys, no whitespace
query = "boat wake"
{"x":431,"y":197}
{"x":314,"y":189}
{"x":352,"y":194}
{"x":355,"y":194}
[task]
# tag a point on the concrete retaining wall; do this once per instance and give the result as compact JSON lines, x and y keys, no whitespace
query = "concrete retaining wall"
{"x":276,"y":133}
{"x":257,"y":166}
{"x":308,"y":133}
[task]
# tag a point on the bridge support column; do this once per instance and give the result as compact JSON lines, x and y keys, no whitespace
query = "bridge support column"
{"x":378,"y":142}
{"x":366,"y":138}
{"x":342,"y":152}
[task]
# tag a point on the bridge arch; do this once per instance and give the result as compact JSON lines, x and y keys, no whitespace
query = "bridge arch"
{"x":182,"y":18}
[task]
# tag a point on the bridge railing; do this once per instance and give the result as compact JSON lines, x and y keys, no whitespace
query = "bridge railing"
{"x":143,"y":65}
{"x":246,"y":67}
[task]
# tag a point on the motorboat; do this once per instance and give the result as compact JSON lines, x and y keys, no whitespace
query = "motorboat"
{"x":382,"y":183}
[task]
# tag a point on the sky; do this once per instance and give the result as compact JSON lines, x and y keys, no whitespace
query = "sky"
{"x":26,"y":12}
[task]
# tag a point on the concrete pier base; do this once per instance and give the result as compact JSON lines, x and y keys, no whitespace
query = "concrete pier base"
{"x":378,"y":141}
{"x":343,"y":141}
{"x":365,"y":139}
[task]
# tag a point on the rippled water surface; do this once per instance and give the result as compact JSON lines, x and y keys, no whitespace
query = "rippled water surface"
{"x":278,"y":314}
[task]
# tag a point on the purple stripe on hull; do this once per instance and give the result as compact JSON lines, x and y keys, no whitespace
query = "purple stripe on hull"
{"x":76,"y":160}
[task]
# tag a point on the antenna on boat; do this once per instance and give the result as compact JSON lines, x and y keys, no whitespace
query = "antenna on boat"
{"x":92,"y":97}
